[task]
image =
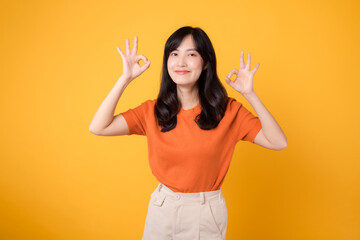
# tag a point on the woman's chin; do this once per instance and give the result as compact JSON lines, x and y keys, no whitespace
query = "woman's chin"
{"x":184,"y":83}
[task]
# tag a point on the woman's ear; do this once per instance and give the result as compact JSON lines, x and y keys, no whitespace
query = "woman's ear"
{"x":205,"y":66}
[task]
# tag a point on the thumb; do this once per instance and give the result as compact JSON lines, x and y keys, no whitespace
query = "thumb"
{"x":229,"y":82}
{"x":145,"y":66}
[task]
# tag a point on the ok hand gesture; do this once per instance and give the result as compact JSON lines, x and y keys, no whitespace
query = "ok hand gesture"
{"x":244,"y":77}
{"x":131,"y":66}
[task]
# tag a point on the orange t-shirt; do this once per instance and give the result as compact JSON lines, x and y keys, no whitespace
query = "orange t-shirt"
{"x":188,"y":159}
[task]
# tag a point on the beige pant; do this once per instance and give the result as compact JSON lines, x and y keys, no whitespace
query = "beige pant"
{"x":185,"y":216}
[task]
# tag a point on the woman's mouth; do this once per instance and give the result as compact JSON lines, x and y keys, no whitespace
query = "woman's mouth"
{"x":181,"y":72}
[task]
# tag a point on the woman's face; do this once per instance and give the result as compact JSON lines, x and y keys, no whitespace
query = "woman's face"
{"x":185,"y":64}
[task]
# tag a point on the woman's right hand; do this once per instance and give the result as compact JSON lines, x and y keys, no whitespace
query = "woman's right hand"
{"x":131,"y":66}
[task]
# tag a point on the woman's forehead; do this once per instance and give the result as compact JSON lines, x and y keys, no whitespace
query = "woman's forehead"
{"x":187,"y":44}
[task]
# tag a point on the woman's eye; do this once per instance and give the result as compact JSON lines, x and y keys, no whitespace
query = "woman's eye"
{"x":175,"y":54}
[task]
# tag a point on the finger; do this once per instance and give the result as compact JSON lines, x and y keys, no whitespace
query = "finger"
{"x":145,"y":66}
{"x":248,"y":62}
{"x":121,"y":53}
{"x":141,"y":57}
{"x":242,"y":64}
{"x":232,"y":72}
{"x":228,"y":81}
{"x":127,"y":47}
{"x":135,"y":48}
{"x":256,"y":68}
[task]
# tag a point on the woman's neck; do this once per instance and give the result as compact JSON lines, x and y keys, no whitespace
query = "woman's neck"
{"x":188,"y":96}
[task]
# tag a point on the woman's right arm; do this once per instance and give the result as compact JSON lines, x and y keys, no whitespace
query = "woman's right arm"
{"x":104,"y":122}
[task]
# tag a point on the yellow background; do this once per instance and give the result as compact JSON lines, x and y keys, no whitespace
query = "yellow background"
{"x":59,"y":61}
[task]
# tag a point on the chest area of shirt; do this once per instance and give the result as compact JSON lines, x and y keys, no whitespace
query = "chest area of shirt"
{"x":188,"y":135}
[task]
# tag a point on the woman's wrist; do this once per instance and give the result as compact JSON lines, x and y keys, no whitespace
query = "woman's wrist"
{"x":125,"y":79}
{"x":249,"y":95}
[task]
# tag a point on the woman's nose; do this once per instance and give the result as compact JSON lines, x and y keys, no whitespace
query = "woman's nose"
{"x":181,"y":61}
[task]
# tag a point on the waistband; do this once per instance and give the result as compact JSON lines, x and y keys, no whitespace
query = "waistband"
{"x":198,"y":197}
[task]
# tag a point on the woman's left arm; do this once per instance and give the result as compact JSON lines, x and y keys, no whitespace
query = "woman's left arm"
{"x":271,"y":135}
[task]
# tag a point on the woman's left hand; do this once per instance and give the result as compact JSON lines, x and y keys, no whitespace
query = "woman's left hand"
{"x":244,"y":77}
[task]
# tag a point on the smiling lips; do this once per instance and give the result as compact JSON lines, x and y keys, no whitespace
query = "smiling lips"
{"x":181,"y":72}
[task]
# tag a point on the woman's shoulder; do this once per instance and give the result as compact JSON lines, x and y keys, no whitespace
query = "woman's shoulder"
{"x":233,"y":103}
{"x":149,"y":102}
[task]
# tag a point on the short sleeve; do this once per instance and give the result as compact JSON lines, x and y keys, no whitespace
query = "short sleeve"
{"x":136,"y":118}
{"x":246,"y":124}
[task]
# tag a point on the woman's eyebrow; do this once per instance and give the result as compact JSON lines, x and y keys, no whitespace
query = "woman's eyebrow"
{"x":190,"y":49}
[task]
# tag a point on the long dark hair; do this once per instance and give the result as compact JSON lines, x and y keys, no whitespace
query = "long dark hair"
{"x":212,"y":94}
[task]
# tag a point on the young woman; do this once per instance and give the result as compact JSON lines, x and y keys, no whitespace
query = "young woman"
{"x":192,"y":128}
